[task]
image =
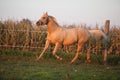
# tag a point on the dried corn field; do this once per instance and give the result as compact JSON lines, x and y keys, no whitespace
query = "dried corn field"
{"x":23,"y":36}
{"x":20,"y":35}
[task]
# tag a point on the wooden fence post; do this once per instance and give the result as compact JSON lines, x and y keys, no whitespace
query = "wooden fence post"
{"x":107,"y":25}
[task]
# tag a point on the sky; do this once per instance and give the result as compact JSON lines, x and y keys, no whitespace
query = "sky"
{"x":90,"y":12}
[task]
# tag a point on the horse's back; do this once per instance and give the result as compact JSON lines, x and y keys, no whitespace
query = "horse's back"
{"x":70,"y":36}
{"x":83,"y":35}
{"x":73,"y":35}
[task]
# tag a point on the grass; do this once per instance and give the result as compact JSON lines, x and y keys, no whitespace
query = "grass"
{"x":20,"y":65}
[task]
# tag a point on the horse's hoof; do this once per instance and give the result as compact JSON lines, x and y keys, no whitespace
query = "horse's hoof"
{"x":89,"y":61}
{"x":37,"y":60}
{"x":61,"y":58}
{"x":70,"y":63}
{"x":105,"y":63}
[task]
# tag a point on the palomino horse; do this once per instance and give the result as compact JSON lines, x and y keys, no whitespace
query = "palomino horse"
{"x":60,"y":36}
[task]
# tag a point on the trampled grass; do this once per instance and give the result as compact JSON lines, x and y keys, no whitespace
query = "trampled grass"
{"x":23,"y":66}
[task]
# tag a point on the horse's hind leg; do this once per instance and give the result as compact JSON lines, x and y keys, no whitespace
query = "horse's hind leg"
{"x":105,"y":51}
{"x":77,"y":54}
{"x":55,"y":50}
{"x":105,"y":57}
{"x":88,"y":56}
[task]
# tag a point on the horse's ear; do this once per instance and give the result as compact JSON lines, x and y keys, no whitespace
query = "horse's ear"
{"x":46,"y":13}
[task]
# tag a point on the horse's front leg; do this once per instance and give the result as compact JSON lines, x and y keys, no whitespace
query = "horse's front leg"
{"x":45,"y":48}
{"x":55,"y":50}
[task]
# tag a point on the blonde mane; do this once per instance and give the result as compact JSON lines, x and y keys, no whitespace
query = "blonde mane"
{"x":54,"y":20}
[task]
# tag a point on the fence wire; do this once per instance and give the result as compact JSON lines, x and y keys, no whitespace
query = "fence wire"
{"x":24,"y":39}
{"x":35,"y":40}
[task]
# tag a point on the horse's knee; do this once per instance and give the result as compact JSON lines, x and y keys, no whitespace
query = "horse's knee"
{"x":54,"y":52}
{"x":88,"y":54}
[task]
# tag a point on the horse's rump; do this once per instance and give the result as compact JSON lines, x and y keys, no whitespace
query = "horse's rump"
{"x":97,"y":34}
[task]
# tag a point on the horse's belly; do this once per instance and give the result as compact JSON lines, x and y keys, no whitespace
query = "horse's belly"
{"x":69,"y":41}
{"x":70,"y":38}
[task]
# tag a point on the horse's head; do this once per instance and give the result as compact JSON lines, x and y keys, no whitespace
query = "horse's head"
{"x":43,"y":20}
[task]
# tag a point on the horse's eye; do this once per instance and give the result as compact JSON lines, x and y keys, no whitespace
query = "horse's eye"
{"x":43,"y":17}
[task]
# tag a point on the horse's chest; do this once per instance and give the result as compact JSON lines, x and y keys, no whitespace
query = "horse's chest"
{"x":53,"y":38}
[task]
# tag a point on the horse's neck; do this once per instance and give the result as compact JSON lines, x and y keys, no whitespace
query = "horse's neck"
{"x":52,"y":26}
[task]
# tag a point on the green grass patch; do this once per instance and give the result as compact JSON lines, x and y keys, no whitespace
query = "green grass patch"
{"x":55,"y":71}
{"x":21,"y":65}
